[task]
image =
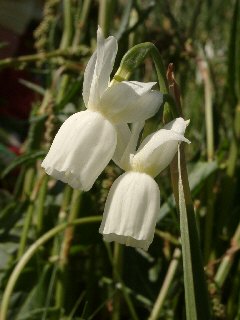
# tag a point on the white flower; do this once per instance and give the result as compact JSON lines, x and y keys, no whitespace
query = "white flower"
{"x":86,"y":141}
{"x":133,"y":203}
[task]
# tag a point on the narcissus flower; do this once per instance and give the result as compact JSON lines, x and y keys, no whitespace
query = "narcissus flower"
{"x":87,"y":140}
{"x":133,"y":203}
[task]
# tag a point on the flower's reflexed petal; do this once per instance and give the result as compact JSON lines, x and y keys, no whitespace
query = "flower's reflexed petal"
{"x":178,"y":125}
{"x":130,"y":149}
{"x":82,"y":148}
{"x":98,"y":70}
{"x":157,"y":150}
{"x":140,"y":87}
{"x":125,"y":102}
{"x":131,"y":210}
{"x":88,"y":77}
{"x":123,"y":137}
{"x":126,"y":143}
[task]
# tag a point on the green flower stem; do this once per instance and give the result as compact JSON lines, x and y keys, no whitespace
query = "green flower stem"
{"x":156,"y":310}
{"x":44,"y":56}
{"x":133,"y":59}
{"x":67,"y":25}
{"x":40,"y":204}
{"x":28,"y":217}
{"x":28,"y":181}
{"x":63,"y":212}
{"x":104,"y":16}
{"x":30,"y":252}
{"x":209,"y":220}
{"x":234,"y":148}
{"x":65,"y":43}
{"x":66,"y":244}
{"x":167,"y":237}
{"x":120,"y":284}
{"x":227,"y":261}
{"x":24,"y":234}
{"x":140,"y":298}
{"x":209,"y":119}
{"x":208,"y":110}
{"x":117,"y":271}
{"x":229,"y":182}
{"x":81,"y":23}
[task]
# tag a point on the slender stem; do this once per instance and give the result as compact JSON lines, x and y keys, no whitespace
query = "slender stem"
{"x":229,"y":185}
{"x":81,"y":23}
{"x":65,"y":43}
{"x":104,"y":17}
{"x":227,"y":261}
{"x":30,"y":252}
{"x":24,"y":234}
{"x":41,"y":204}
{"x":66,"y":199}
{"x":210,"y":156}
{"x":167,"y":236}
{"x":133,"y":58}
{"x":156,"y":310}
{"x":66,"y":244}
{"x":28,"y":217}
{"x":68,"y":25}
{"x":120,"y":285}
{"x":117,"y":268}
{"x":28,"y":181}
{"x":234,"y":148}
{"x":208,"y":108}
{"x":43,"y":56}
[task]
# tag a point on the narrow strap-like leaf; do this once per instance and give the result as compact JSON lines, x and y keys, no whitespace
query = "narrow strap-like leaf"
{"x":196,"y":297}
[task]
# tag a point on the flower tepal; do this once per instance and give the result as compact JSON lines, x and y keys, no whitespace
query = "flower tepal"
{"x":133,"y":203}
{"x":131,"y":209}
{"x":86,"y":141}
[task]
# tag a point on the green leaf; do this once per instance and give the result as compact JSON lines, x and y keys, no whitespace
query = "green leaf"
{"x":196,"y":296}
{"x":23,"y":159}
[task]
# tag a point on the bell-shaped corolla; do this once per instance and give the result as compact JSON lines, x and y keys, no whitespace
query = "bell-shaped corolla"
{"x":86,"y":141}
{"x":133,"y":203}
{"x":131,"y":210}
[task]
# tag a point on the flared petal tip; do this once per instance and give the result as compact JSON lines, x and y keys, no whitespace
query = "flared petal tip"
{"x":128,"y":241}
{"x":66,"y":177}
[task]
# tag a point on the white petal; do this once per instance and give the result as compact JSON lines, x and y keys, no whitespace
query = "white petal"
{"x":128,"y":102}
{"x":140,"y":87}
{"x":157,"y":150}
{"x":123,"y":137}
{"x":178,"y":125}
{"x":131,"y":210}
{"x":82,"y":148}
{"x":126,"y":143}
{"x":88,"y":77}
{"x":98,"y":70}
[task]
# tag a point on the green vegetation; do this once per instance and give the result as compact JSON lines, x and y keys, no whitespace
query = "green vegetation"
{"x":53,"y":262}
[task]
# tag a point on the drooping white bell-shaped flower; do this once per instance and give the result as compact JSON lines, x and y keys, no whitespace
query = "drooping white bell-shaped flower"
{"x":133,"y":202}
{"x":86,"y":141}
{"x":132,"y":193}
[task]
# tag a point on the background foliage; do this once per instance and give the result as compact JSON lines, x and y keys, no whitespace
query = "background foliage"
{"x":75,"y":275}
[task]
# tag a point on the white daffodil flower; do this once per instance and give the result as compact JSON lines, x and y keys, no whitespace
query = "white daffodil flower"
{"x":133,"y":202}
{"x":87,"y":140}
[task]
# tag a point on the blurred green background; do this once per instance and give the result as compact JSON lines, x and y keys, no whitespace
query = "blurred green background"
{"x":44,"y":48}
